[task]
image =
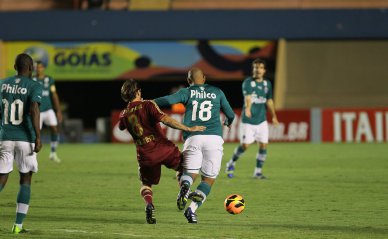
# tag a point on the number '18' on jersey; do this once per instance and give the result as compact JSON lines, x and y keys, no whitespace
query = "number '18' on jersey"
{"x":203,"y":106}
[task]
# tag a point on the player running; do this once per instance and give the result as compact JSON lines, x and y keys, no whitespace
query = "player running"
{"x":141,"y":118}
{"x":202,"y":151}
{"x":20,"y":133}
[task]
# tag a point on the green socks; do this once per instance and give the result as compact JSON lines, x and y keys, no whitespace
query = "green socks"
{"x":22,"y":201}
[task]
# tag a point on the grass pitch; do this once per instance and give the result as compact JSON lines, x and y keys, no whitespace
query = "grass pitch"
{"x":313,"y":191}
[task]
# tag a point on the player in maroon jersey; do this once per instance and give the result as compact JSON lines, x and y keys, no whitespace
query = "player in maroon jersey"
{"x":141,"y":118}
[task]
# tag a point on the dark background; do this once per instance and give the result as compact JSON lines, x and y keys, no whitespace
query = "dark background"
{"x":89,"y":100}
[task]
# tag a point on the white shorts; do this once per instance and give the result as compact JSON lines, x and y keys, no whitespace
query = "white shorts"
{"x":48,"y":118}
{"x":20,"y":151}
{"x":203,"y":153}
{"x":250,"y":133}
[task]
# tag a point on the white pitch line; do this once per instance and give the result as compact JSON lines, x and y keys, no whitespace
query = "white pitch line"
{"x":152,"y":236}
{"x":119,"y":234}
{"x":77,"y":231}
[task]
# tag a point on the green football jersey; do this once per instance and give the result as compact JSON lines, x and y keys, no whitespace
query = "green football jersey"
{"x":203,"y":106}
{"x":47,"y":82}
{"x":17,"y":94}
{"x":260,"y":92}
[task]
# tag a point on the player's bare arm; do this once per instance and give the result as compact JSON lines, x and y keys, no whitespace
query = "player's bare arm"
{"x":35,"y":116}
{"x":271,"y":108}
{"x":167,"y":120}
{"x":248,"y":104}
{"x":228,"y":111}
{"x":56,"y":104}
{"x":122,"y":125}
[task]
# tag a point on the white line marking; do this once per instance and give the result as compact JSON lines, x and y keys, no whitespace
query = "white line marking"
{"x":119,"y":234}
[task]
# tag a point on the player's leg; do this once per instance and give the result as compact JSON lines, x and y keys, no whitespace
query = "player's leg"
{"x":246,"y":138}
{"x":262,"y":153}
{"x":186,"y":181}
{"x":198,"y":197}
{"x":22,"y":202}
{"x":54,"y":144}
{"x":3,"y":180}
{"x":149,"y":176}
{"x":146,"y":193}
{"x":27,"y":164}
{"x":231,"y":164}
{"x":192,"y":161}
{"x":260,"y":158}
{"x":6,"y":161}
{"x":174,"y":160}
{"x":50,"y":119}
{"x":211,"y":165}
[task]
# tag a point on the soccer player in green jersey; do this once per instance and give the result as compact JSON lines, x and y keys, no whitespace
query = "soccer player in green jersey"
{"x":202,"y":151}
{"x":50,"y":110}
{"x":257,"y":93}
{"x":20,"y":133}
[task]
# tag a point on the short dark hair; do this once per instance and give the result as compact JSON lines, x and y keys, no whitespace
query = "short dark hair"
{"x":129,"y":89}
{"x":40,"y":63}
{"x":23,"y":62}
{"x":259,"y":61}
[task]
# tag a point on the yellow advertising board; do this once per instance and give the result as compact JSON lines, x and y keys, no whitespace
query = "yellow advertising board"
{"x":140,"y":60}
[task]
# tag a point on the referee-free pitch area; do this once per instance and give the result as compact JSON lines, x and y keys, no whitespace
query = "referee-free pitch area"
{"x":312,"y":191}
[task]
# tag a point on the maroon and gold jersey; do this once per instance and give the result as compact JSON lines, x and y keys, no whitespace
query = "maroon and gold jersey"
{"x":141,"y":119}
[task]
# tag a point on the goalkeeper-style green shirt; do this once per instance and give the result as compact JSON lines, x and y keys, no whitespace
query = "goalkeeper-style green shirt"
{"x":203,"y":105}
{"x":17,"y":95}
{"x":260,"y":92}
{"x":48,"y":83}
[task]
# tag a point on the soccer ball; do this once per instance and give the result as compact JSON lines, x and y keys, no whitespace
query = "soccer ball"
{"x":234,"y":204}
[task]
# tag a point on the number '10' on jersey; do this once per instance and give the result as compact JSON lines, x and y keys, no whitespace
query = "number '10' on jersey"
{"x":17,"y":95}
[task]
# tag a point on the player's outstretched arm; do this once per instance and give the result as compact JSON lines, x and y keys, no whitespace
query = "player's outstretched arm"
{"x":35,"y":116}
{"x":177,"y":97}
{"x":170,"y":122}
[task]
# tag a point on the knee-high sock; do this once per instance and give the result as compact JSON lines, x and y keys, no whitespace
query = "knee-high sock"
{"x":146,"y":193}
{"x":22,"y":203}
{"x":236,"y":154}
{"x":204,"y":189}
{"x":260,"y":158}
{"x":186,"y":179}
{"x":54,"y":142}
{"x":1,"y":187}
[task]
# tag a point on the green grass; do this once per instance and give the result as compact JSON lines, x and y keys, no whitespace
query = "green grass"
{"x":313,"y":191}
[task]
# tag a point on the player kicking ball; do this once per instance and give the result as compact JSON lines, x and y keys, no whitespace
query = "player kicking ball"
{"x":202,"y":151}
{"x":141,"y":118}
